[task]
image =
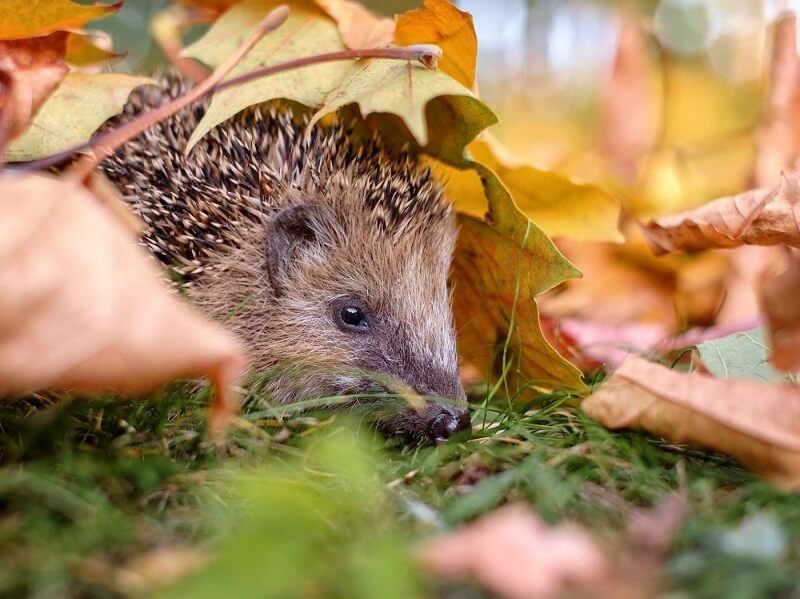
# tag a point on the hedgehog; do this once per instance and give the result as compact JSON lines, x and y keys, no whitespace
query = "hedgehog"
{"x":327,"y":256}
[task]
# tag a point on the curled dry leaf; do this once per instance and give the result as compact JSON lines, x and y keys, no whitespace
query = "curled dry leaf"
{"x":757,"y":423}
{"x":513,"y":553}
{"x":84,"y":309}
{"x":756,"y":217}
{"x":779,"y":298}
{"x":358,"y":26}
{"x":34,"y":68}
{"x":440,"y":22}
{"x":80,"y":105}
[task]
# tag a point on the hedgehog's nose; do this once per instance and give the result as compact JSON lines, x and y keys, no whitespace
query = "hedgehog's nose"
{"x":445,"y":421}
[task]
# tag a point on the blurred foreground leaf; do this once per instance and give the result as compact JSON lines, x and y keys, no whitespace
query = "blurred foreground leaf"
{"x":84,"y":309}
{"x":513,"y":553}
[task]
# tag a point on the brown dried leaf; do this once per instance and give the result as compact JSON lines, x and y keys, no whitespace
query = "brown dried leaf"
{"x":513,"y":553}
{"x":440,"y":22}
{"x":84,"y":309}
{"x":34,"y":67}
{"x":757,"y":423}
{"x":779,"y":297}
{"x":755,"y":217}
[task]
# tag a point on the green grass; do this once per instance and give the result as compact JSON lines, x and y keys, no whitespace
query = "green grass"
{"x":86,"y":486}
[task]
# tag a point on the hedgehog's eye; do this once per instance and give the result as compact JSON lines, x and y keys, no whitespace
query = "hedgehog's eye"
{"x":353,"y":316}
{"x":350,"y":315}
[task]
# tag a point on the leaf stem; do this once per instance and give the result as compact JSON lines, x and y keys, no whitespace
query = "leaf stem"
{"x":427,"y":54}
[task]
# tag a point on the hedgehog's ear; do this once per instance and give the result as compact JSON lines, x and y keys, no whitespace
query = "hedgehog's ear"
{"x":292,"y":232}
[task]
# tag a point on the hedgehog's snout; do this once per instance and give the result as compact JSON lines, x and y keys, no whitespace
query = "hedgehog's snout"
{"x":444,"y":421}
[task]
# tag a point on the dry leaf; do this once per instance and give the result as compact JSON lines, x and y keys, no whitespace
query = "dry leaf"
{"x":756,"y":217}
{"x":358,"y":26}
{"x":779,"y":298}
{"x":512,"y":553}
{"x":32,"y":18}
{"x":757,"y":423}
{"x":85,"y":309}
{"x":441,"y":23}
{"x":35,"y":68}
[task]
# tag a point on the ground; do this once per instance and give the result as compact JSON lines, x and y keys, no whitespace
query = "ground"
{"x":90,"y":488}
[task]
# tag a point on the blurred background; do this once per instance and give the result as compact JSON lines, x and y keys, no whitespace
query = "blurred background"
{"x":545,"y":65}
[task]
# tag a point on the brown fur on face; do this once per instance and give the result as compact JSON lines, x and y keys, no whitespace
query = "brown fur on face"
{"x":278,"y":229}
{"x":397,"y":276}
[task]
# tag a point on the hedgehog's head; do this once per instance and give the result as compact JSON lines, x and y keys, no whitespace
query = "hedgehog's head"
{"x":349,"y":296}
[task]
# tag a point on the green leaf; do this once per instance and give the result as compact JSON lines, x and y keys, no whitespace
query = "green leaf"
{"x":69,"y":117}
{"x":307,"y":31}
{"x":742,"y":355}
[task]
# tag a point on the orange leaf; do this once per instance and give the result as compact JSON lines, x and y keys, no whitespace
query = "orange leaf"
{"x":441,"y":23}
{"x":34,"y":68}
{"x":495,"y":280}
{"x":513,"y":553}
{"x":757,"y":423}
{"x":755,"y":217}
{"x":85,"y":309}
{"x":358,"y":26}
{"x":90,"y":47}
{"x":33,"y":18}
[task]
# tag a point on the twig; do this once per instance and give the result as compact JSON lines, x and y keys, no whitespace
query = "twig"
{"x":106,"y":144}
